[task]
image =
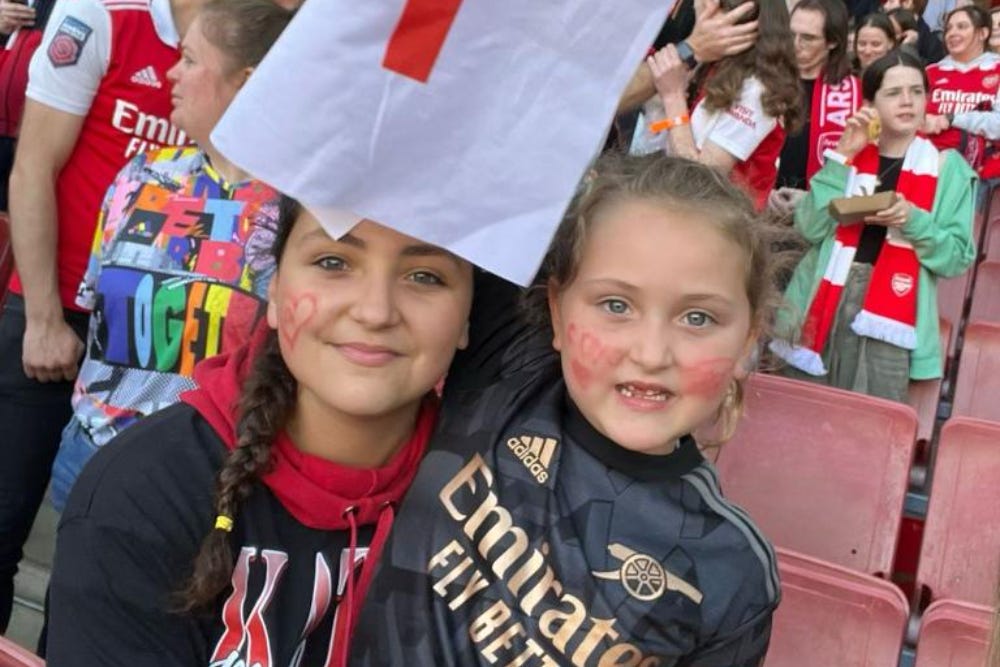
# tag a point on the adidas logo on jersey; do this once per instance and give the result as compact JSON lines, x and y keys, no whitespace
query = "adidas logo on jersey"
{"x":147,"y":77}
{"x":535,"y":453}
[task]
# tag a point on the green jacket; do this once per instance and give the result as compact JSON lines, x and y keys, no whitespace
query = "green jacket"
{"x":941,"y":238}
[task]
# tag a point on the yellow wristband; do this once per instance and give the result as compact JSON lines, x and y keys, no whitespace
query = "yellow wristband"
{"x":223,"y":522}
{"x":668,"y":123}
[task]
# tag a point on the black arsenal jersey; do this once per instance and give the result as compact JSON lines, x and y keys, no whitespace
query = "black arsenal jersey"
{"x":126,"y":543}
{"x":528,"y":538}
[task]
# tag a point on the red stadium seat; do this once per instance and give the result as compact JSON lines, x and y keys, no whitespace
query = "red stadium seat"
{"x":924,"y":395}
{"x":986,"y":293}
{"x":833,"y":617}
{"x":977,"y":385}
{"x":991,"y":245}
{"x":822,"y":471}
{"x":961,"y":545}
{"x":954,"y":634}
{"x":12,"y":655}
{"x":951,"y":294}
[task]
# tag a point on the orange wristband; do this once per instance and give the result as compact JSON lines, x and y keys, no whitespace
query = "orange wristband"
{"x":668,"y":123}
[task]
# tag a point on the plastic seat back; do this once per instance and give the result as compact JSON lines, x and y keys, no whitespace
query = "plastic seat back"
{"x":954,"y":634}
{"x":924,"y":395}
{"x":977,"y":386}
{"x":986,"y":293}
{"x":822,"y":471}
{"x":951,"y":294}
{"x":12,"y":655}
{"x":991,"y":243}
{"x":961,"y":545}
{"x":833,"y":617}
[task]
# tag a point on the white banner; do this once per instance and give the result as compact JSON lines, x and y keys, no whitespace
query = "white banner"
{"x":465,"y":123}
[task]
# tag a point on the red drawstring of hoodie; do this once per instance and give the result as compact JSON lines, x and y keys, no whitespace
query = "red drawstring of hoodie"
{"x":356,"y":587}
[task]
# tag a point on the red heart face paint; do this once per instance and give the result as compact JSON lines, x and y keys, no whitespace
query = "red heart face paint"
{"x":708,"y":377}
{"x":295,"y":314}
{"x":590,"y":355}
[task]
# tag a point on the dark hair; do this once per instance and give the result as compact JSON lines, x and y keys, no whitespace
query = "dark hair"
{"x":918,"y":7}
{"x":871,"y":80}
{"x":678,"y":184}
{"x":906,"y":19}
{"x":879,"y":21}
{"x":243,"y":30}
{"x":835,"y":17}
{"x":771,"y":60}
{"x":978,"y":16}
{"x":264,"y":407}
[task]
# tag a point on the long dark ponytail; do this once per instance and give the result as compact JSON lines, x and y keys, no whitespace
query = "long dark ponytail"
{"x":264,"y":406}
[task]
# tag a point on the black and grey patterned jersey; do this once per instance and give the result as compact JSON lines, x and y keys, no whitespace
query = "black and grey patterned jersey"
{"x":528,"y":538}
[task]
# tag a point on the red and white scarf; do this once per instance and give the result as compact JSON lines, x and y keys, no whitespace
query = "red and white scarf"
{"x":832,"y":105}
{"x":889,"y":311}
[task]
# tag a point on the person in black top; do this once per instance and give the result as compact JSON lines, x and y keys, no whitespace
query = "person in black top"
{"x":241,"y":526}
{"x":565,"y":514}
{"x":830,"y":92}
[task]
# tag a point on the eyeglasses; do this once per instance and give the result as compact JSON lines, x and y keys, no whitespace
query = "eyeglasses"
{"x":806,"y":38}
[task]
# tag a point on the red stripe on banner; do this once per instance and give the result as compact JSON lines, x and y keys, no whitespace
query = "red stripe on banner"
{"x":419,"y":36}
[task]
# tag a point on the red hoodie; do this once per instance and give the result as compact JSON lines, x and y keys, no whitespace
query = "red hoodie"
{"x":319,"y":493}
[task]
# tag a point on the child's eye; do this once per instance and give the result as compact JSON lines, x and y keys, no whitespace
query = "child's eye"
{"x":425,"y":278}
{"x":698,"y":318}
{"x":615,"y":306}
{"x":331,"y":263}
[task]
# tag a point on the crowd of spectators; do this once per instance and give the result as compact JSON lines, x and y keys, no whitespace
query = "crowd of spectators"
{"x":141,"y":252}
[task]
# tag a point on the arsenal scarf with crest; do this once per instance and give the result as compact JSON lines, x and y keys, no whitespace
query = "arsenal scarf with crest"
{"x":832,"y":105}
{"x":889,"y":310}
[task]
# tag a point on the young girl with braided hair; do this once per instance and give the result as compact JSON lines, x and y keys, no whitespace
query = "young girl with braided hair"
{"x":310,"y":435}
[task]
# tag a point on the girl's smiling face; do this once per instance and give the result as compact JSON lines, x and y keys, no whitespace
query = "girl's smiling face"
{"x":656,"y":324}
{"x":962,"y":38}
{"x":369,"y":323}
{"x":871,"y":45}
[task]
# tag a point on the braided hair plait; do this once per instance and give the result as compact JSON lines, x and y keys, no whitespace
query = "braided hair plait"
{"x":265,"y":404}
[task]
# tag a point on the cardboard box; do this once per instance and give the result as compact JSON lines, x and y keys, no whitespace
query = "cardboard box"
{"x":846,"y":210}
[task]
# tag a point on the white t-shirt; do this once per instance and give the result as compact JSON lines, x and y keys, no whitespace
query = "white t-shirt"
{"x":738,"y":130}
{"x":71,"y":87}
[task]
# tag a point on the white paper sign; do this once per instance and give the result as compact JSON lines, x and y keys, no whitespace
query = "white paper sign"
{"x":465,"y":123}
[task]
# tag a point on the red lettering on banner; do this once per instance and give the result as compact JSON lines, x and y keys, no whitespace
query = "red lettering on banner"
{"x":416,"y":42}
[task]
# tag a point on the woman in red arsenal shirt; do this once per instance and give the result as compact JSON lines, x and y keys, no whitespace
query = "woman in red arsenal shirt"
{"x":961,"y":110}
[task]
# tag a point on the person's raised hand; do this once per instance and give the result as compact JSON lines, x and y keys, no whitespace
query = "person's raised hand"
{"x":857,"y":132}
{"x":935,"y":124}
{"x":718,"y":34}
{"x":670,"y":74}
{"x":14,"y":15}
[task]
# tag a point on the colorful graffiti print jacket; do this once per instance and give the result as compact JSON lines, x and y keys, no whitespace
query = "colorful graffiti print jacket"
{"x":178,"y":273}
